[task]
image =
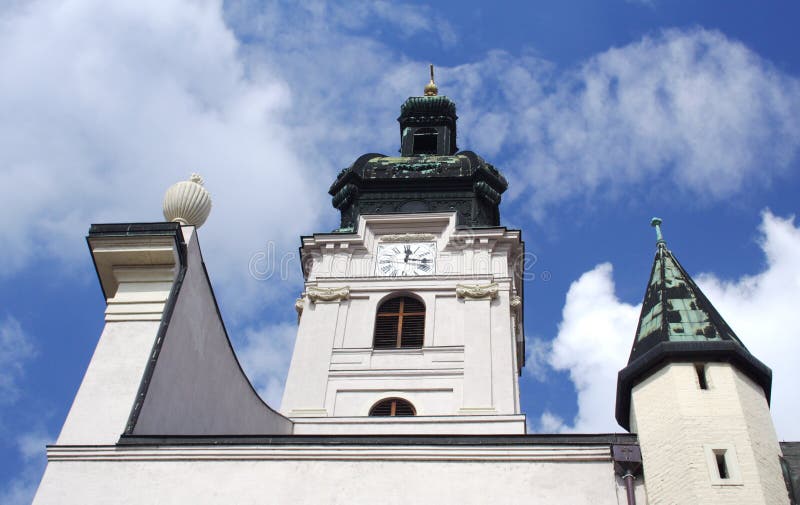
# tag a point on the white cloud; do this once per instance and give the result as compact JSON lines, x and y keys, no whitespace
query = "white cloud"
{"x":695,"y":110}
{"x":16,"y":349}
{"x":549,"y":423}
{"x":265,"y":355}
{"x":537,"y":353}
{"x":106,"y":104}
{"x":762,"y":310}
{"x":19,"y":490}
{"x":597,"y":330}
{"x":593,"y":341}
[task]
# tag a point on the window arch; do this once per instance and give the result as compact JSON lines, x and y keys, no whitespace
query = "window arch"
{"x":400,"y":324}
{"x":391,"y":407}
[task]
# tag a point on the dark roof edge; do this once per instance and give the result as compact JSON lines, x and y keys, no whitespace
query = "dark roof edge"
{"x":682,"y":352}
{"x":126,"y":229}
{"x":368,"y":440}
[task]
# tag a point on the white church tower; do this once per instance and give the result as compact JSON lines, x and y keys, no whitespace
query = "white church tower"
{"x":698,"y":400}
{"x":410,"y":320}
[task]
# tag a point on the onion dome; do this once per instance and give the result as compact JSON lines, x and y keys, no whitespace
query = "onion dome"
{"x":679,"y":324}
{"x":187,"y":202}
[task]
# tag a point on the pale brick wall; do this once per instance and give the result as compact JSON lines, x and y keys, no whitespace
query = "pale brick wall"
{"x":678,"y":423}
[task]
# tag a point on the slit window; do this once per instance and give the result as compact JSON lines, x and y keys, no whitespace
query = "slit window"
{"x":702,"y":380}
{"x":400,"y":324}
{"x":722,"y":465}
{"x":392,"y":407}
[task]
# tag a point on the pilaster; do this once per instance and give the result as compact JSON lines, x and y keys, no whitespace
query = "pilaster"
{"x":307,"y":380}
{"x":477,"y":389}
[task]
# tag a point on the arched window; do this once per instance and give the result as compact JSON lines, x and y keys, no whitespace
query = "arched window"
{"x":392,"y":407}
{"x":400,"y":323}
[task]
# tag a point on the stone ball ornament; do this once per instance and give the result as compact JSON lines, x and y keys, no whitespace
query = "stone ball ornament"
{"x":187,"y":202}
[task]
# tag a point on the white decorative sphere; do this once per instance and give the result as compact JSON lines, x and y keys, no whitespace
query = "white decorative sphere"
{"x":187,"y":202}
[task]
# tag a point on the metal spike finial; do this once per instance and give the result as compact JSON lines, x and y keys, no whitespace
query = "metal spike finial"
{"x":431,"y":89}
{"x":656,"y":223}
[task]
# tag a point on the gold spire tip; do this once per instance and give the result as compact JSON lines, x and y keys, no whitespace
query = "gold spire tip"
{"x":431,"y":89}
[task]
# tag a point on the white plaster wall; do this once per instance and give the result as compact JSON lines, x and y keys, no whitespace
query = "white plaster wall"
{"x":293,"y":480}
{"x":448,"y":326}
{"x":419,"y":425}
{"x":676,"y":421}
{"x":103,"y":403}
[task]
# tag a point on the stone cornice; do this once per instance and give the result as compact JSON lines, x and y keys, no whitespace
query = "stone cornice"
{"x":317,"y":295}
{"x":331,"y":452}
{"x":477,"y":291}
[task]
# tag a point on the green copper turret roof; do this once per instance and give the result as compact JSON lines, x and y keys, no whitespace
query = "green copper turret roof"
{"x":674,"y":308}
{"x":679,"y":324}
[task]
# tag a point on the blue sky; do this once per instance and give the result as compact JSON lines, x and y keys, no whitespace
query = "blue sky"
{"x":601,"y":114}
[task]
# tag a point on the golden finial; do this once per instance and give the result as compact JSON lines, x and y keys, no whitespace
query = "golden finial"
{"x":431,"y":89}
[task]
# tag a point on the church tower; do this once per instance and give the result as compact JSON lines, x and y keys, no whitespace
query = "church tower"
{"x":697,"y":398}
{"x":411,"y":316}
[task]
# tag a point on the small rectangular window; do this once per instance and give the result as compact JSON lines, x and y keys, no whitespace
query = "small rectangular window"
{"x":700,"y":368}
{"x":722,"y":465}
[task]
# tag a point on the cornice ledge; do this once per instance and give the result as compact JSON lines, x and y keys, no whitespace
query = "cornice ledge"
{"x":317,"y":295}
{"x":408,"y":237}
{"x":477,"y":291}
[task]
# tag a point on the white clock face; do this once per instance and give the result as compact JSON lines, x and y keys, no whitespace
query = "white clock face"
{"x":406,"y":259}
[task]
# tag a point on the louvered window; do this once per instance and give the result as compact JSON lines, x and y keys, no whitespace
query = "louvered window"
{"x":400,"y":323}
{"x":392,"y":407}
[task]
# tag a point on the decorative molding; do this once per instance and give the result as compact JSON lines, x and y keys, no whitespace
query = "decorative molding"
{"x":309,"y":413}
{"x":317,"y":295}
{"x":298,"y":306}
{"x":408,"y":237}
{"x":477,"y":291}
{"x":486,"y":411}
{"x":515,"y":302}
{"x":265,"y":452}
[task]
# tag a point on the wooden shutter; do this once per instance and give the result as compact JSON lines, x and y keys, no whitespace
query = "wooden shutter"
{"x":391,"y":407}
{"x":400,"y":323}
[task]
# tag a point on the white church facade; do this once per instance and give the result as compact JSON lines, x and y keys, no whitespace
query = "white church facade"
{"x":403,"y":385}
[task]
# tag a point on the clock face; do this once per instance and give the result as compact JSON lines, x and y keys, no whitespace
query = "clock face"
{"x":406,"y":259}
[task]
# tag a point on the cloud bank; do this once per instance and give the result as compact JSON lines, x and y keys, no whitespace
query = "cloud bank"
{"x":269,"y":99}
{"x":693,"y":109}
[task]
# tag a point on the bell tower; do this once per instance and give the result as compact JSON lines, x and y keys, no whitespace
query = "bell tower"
{"x":411,"y":316}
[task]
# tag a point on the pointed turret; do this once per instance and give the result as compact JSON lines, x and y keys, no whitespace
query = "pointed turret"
{"x":679,"y":324}
{"x":697,"y":399}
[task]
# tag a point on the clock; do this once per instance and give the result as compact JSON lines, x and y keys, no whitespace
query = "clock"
{"x":405,"y":259}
